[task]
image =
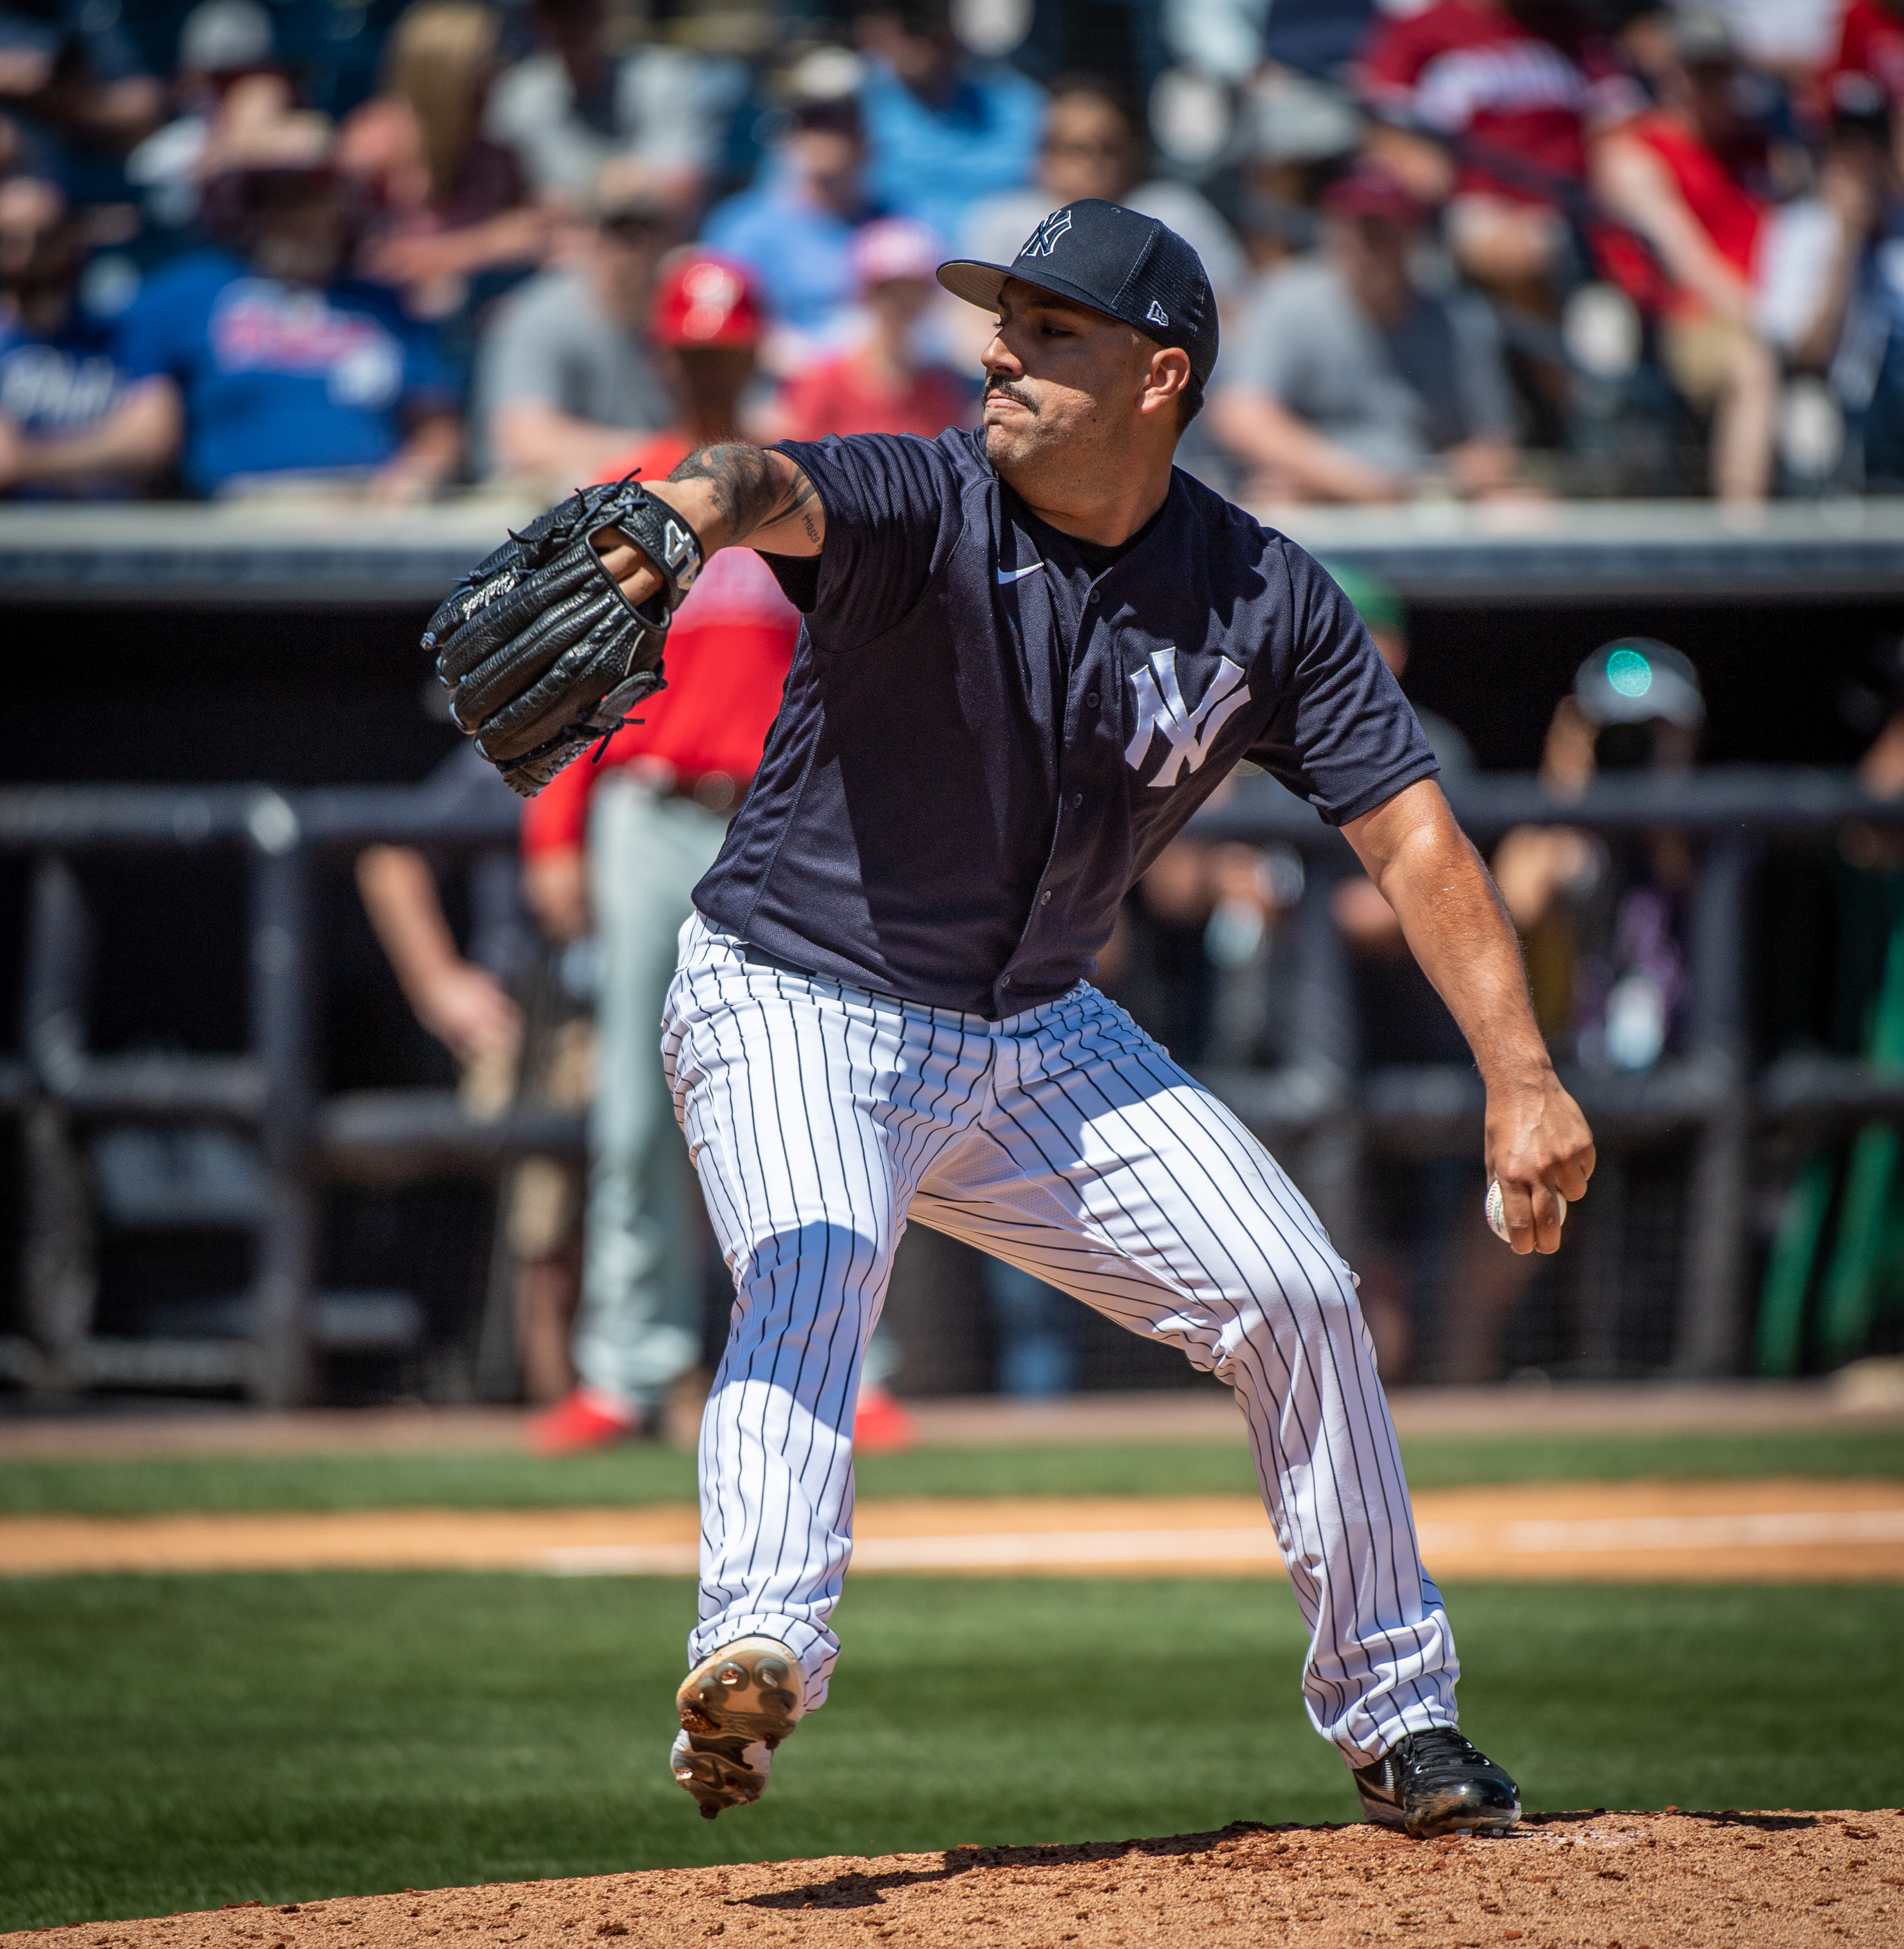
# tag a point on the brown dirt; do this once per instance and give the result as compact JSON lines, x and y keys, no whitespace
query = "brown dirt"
{"x":1771,"y":1530}
{"x":1619,"y":1881}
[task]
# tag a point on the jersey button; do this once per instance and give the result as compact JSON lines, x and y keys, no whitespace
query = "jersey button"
{"x":1077,"y":799}
{"x":1045,"y":898}
{"x":1091,"y":702}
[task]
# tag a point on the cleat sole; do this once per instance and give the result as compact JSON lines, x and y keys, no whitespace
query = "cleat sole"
{"x":734,"y":1708}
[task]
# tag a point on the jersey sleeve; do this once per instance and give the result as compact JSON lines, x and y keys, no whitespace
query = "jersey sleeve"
{"x":893,"y":511}
{"x":1342,"y":735}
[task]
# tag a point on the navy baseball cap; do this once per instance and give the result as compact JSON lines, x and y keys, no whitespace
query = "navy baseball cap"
{"x":1130,"y":267}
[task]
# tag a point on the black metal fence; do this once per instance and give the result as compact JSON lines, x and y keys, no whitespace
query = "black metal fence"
{"x":1320,"y":1109}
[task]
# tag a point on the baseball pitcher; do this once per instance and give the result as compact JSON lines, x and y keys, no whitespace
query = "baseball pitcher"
{"x":1028,"y":654}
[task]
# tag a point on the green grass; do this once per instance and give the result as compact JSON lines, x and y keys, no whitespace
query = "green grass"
{"x":491,"y":1479}
{"x":177,"y":1743}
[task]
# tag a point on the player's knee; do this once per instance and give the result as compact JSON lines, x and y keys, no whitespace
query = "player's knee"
{"x":1282,"y":1312}
{"x":809,"y":1279}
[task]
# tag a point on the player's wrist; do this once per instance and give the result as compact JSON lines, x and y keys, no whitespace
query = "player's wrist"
{"x":1526,"y":1070}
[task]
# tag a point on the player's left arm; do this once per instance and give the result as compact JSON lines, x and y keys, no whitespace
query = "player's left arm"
{"x":1538,"y":1143}
{"x":730,"y":496}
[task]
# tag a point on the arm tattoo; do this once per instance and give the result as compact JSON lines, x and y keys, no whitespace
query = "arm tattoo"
{"x":748,"y":495}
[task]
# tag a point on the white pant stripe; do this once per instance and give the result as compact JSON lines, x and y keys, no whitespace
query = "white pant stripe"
{"x":820,"y":1118}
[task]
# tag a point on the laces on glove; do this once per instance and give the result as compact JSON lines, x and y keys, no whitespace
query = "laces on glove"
{"x":608,"y":736}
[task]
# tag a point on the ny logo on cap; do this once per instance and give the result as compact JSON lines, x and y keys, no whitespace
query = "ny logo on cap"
{"x":1043,"y":241}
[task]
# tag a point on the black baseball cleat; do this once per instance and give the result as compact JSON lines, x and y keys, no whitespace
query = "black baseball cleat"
{"x":1435,"y":1782}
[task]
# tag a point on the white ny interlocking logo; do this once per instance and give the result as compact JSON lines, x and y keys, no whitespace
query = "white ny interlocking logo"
{"x":1190,"y":733}
{"x":678,"y":545}
{"x":1044,"y":240}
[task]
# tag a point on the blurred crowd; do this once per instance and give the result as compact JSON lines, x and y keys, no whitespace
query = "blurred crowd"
{"x":357,"y":249}
{"x":1466,"y":248}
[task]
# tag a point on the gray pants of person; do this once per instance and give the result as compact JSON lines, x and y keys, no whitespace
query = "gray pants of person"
{"x":639,"y":1328}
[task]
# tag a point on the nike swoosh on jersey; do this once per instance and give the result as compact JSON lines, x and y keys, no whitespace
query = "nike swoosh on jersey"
{"x":1018,"y":574}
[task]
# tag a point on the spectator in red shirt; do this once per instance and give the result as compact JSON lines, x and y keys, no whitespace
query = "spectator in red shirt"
{"x":1680,"y":176}
{"x":1489,"y":103}
{"x":615,"y":849}
{"x":887,"y":384}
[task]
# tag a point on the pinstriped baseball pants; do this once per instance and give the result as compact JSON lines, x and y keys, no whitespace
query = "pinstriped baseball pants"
{"x":820,"y":1117}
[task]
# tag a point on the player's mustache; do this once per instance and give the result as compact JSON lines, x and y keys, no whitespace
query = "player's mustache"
{"x":1003,"y":389}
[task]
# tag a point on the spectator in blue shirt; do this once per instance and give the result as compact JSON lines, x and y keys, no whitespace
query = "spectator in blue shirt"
{"x":794,"y":229}
{"x":284,"y":367}
{"x":72,"y":420}
{"x":943,"y":131}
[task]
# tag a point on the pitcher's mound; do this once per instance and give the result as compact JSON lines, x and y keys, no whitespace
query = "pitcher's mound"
{"x":1612,"y":1881}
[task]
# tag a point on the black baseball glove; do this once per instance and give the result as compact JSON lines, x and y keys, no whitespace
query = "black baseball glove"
{"x":541,"y":652}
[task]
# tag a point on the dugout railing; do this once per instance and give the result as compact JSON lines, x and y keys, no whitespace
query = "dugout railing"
{"x":1320,"y":1108}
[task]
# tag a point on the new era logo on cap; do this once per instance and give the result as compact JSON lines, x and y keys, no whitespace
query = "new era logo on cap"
{"x":1117,"y":261}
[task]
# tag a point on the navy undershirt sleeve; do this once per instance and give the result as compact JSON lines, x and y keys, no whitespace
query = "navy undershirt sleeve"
{"x":892,"y":513}
{"x":1342,"y":735}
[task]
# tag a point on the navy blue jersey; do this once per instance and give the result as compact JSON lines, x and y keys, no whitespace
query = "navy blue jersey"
{"x":982,"y":742}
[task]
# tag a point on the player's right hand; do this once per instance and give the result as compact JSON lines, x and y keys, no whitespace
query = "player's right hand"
{"x":1539,"y":1149}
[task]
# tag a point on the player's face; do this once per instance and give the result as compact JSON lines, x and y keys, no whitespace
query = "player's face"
{"x":1059,"y":375}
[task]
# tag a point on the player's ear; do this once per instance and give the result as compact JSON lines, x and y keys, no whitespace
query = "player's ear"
{"x":1164,"y":381}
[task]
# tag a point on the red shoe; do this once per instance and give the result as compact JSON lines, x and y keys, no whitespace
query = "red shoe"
{"x":588,"y":1418}
{"x":880,"y":1426}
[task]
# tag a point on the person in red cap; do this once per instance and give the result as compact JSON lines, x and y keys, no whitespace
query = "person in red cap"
{"x":614,"y":848}
{"x":1351,"y":383}
{"x":884,"y":384}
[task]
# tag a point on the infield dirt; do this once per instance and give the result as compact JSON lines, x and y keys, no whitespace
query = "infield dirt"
{"x":1564,"y":1881}
{"x":1794,"y":1530}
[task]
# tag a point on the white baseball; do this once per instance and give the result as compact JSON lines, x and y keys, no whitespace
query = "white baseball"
{"x":1497,"y":1210}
